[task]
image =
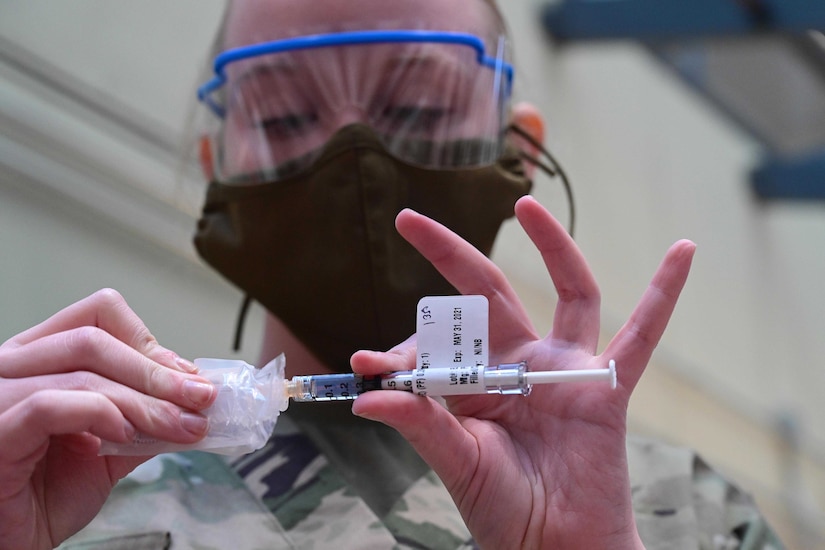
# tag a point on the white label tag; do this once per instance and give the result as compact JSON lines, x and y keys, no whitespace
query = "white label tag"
{"x":452,"y":331}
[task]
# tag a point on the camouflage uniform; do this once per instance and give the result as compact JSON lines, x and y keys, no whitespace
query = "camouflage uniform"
{"x":679,"y":502}
{"x":329,"y":479}
{"x":296,"y":492}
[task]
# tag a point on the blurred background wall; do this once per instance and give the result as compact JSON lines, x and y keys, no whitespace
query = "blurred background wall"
{"x":98,"y":188}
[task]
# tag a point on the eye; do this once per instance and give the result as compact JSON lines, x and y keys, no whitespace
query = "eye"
{"x":287,"y":125}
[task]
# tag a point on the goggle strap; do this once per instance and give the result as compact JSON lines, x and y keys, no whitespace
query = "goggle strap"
{"x":239,"y":324}
{"x":552,"y":168}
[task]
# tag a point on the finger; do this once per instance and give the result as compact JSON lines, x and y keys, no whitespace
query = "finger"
{"x":470,"y":271}
{"x":377,"y":362}
{"x":401,"y":357}
{"x":25,"y":427}
{"x":634,"y":343}
{"x":91,"y":349}
{"x":86,"y":445}
{"x":430,"y":428}
{"x":577,"y":312}
{"x":105,"y":309}
{"x":154,"y":417}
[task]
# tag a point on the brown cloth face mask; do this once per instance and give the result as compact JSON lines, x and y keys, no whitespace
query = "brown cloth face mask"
{"x":320,"y":251}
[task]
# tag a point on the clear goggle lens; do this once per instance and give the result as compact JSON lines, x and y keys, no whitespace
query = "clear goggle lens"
{"x":436,"y":99}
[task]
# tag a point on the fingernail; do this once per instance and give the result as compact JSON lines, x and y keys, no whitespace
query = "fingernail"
{"x":129,"y":430}
{"x":194,"y":423}
{"x":186,"y":365}
{"x":364,"y":415}
{"x":198,"y":392}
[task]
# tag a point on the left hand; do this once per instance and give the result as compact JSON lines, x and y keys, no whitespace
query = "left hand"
{"x":549,"y":470}
{"x":91,"y":371}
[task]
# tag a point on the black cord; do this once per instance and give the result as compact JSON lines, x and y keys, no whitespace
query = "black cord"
{"x":236,"y":345}
{"x":554,"y":170}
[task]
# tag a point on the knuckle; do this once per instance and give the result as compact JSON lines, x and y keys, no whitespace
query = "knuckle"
{"x":668,"y":294}
{"x":163,"y":416}
{"x":40,"y":405}
{"x":87,"y":341}
{"x":108,"y":298}
{"x":37,"y":403}
{"x":83,"y":380}
{"x":32,"y":409}
{"x":644,"y":336}
{"x":570,"y":295}
{"x":111,"y":304}
{"x":157,"y":379}
{"x":144,"y":340}
{"x":162,"y":355}
{"x":112,"y":301}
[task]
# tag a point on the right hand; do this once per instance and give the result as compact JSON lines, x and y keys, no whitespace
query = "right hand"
{"x":92,"y":371}
{"x":548,"y":471}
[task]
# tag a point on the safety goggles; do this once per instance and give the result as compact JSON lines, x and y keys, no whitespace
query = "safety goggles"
{"x":435,"y":99}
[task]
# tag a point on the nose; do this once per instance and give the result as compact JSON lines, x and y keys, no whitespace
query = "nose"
{"x":350,"y":114}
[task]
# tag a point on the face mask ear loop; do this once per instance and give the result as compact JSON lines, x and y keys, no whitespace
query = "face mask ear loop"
{"x":236,"y":344}
{"x":553,"y":169}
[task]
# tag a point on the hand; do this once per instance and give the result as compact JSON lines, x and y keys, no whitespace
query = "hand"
{"x":549,"y":470}
{"x":91,"y":371}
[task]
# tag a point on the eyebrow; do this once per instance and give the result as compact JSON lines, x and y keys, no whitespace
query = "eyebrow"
{"x":426,"y":61}
{"x":280,"y":68}
{"x":416,"y":60}
{"x":245,"y":82}
{"x":426,"y":58}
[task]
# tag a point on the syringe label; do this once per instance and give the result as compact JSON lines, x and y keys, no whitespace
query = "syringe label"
{"x":452,"y":331}
{"x":450,"y":381}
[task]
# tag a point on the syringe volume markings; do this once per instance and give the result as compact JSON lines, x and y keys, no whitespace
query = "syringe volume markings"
{"x":337,"y":387}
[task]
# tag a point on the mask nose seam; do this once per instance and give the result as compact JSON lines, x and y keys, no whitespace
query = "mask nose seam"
{"x":360,"y":149}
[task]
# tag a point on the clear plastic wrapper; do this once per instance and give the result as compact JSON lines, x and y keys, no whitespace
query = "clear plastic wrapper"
{"x":241,"y":419}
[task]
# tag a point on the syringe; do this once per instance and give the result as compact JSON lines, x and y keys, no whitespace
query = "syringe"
{"x":509,"y":378}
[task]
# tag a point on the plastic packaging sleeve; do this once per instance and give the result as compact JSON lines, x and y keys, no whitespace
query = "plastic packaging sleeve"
{"x":241,"y":419}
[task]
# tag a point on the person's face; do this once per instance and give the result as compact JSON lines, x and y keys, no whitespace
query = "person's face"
{"x":252,"y":21}
{"x":282,"y":106}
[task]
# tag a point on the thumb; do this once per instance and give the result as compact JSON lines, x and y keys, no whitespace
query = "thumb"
{"x":431,"y":429}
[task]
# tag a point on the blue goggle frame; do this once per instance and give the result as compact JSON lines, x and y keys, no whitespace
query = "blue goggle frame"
{"x":497,"y":64}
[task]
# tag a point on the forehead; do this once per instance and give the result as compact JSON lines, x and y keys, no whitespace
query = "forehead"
{"x":251,"y":21}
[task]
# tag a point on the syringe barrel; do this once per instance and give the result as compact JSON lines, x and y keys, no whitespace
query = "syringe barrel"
{"x":465,"y":380}
{"x":434,"y":382}
{"x":507,"y":379}
{"x":330,"y":387}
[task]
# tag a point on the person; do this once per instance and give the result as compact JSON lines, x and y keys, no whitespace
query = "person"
{"x":351,"y":175}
